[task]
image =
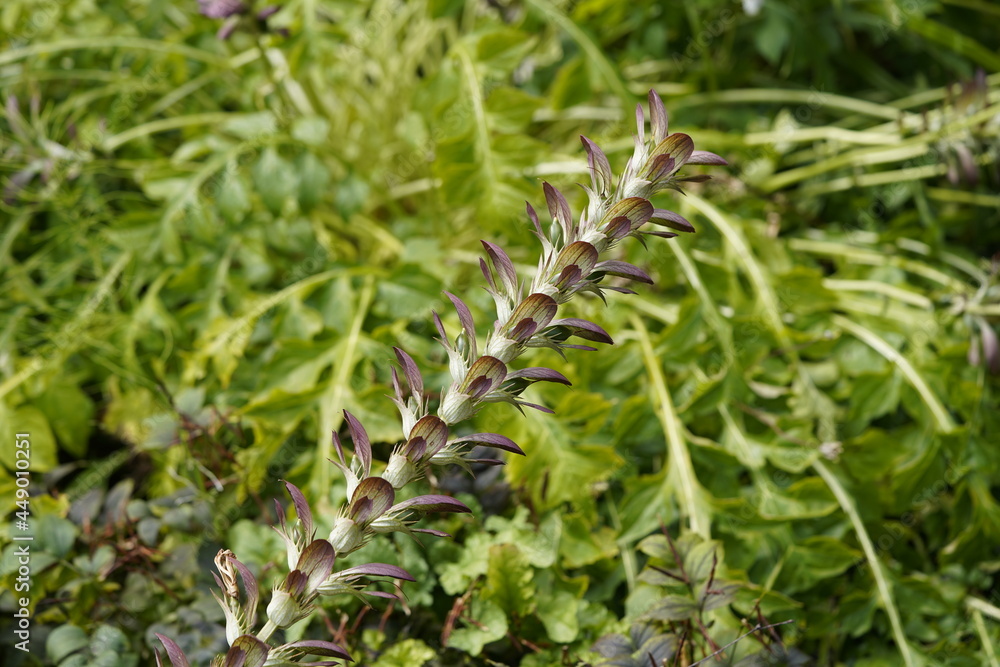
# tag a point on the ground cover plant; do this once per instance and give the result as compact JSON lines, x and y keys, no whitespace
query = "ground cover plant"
{"x":219,"y":220}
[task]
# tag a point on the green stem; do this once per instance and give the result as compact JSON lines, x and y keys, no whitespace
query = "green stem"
{"x":678,"y":455}
{"x":330,"y":415}
{"x":984,"y":637}
{"x":847,"y":504}
{"x":940,"y":413}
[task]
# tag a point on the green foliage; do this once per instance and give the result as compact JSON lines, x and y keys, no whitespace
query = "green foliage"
{"x":208,"y":249}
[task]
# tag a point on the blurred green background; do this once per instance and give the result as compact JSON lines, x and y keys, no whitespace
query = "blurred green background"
{"x":215,"y":229}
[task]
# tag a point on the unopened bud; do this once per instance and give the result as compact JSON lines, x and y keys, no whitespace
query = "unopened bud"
{"x":283,"y":610}
{"x":345,"y":536}
{"x":456,"y":407}
{"x":400,"y":471}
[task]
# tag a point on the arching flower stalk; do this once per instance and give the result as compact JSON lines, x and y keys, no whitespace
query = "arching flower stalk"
{"x":573,"y":260}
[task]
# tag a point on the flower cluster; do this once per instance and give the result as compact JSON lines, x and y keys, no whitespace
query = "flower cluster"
{"x":571,"y":263}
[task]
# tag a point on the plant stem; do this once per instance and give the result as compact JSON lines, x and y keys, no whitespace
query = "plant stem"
{"x":847,"y":504}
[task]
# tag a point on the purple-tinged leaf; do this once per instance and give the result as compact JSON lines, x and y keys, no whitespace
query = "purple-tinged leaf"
{"x":249,"y":583}
{"x":584,"y":329}
{"x":600,"y":168}
{"x":503,"y":266}
{"x":486,"y":373}
{"x":339,"y":449}
{"x":479,"y":387}
{"x":487,"y":274}
{"x":174,"y":652}
{"x":534,"y":220}
{"x":397,"y":390}
{"x":295,"y":583}
{"x":666,"y":218}
{"x":439,"y":325}
{"x":620,"y":290}
{"x":523,"y":330}
{"x":487,"y":462}
{"x":662,"y":235}
{"x":434,"y":432}
{"x":636,"y":209}
{"x":319,"y":647}
{"x":624,"y":269}
{"x":221,"y":9}
{"x":412,"y":373}
{"x":705,"y":157}
{"x":432,"y":503}
{"x":280,"y":511}
{"x":468,"y":324}
{"x":539,"y":374}
{"x":540,"y":408}
{"x":578,"y":253}
{"x":302,"y":509}
{"x":414,"y":449}
{"x":246,"y":651}
{"x":568,"y":277}
{"x":679,"y":146}
{"x":316,"y":562}
{"x":559,"y":209}
{"x":430,"y":531}
{"x":618,"y":228}
{"x":373,"y":497}
{"x":538,"y":309}
{"x":585,"y":348}
{"x":659,"y":168}
{"x":696,"y":178}
{"x":362,"y":447}
{"x":382,"y":594}
{"x":657,"y":117}
{"x":375,"y":570}
{"x":492,"y":440}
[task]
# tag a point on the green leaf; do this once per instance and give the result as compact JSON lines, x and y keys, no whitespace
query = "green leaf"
{"x":538,"y":545}
{"x":571,"y":85}
{"x":565,"y":469}
{"x":314,"y":181}
{"x":29,"y":420}
{"x":509,"y":580}
{"x":65,"y":640}
{"x":673,"y":608}
{"x":584,"y":544}
{"x":473,"y":562}
{"x":558,"y":612}
{"x":490,"y":624}
{"x":807,"y":498}
{"x":874,"y":395}
{"x":71,"y":414}
{"x":274,"y":179}
{"x":813,"y":560}
{"x":407,"y":653}
{"x":233,"y":200}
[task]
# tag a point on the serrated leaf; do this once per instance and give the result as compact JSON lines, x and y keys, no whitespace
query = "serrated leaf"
{"x":509,"y":580}
{"x":407,"y":653}
{"x":490,"y":625}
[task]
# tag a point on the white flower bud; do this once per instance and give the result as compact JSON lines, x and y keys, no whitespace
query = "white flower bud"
{"x":400,"y":471}
{"x":503,"y":349}
{"x":345,"y":536}
{"x":283,"y":610}
{"x":456,"y":407}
